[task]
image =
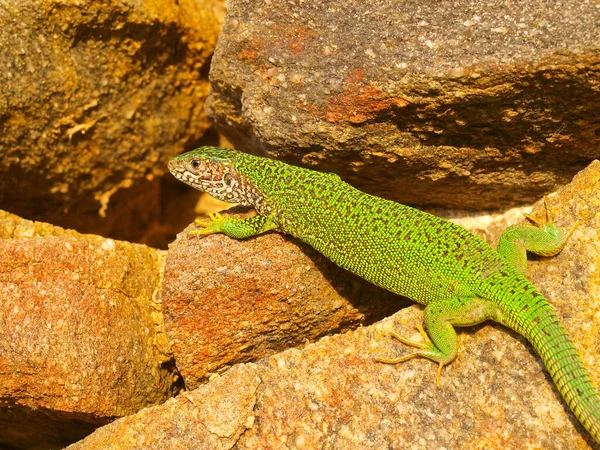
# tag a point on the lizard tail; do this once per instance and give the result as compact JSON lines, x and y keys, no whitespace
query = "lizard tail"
{"x":539,"y":324}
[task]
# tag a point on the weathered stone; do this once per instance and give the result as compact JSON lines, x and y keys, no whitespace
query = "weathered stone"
{"x":331,"y":394}
{"x":212,"y":417}
{"x":95,"y":98}
{"x":463,"y":104}
{"x":82,"y":339}
{"x":219,"y":10}
{"x":227,"y":301}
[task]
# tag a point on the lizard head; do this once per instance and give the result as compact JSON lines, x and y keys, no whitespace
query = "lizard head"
{"x":211,"y":170}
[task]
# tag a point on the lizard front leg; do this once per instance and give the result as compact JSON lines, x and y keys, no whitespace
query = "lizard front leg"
{"x":232,"y":226}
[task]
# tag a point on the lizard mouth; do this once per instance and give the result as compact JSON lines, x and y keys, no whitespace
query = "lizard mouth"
{"x":174,"y":168}
{"x":182,"y":174}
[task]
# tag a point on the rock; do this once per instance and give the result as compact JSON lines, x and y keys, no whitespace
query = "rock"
{"x":227,"y":301}
{"x":82,"y":336}
{"x":459,"y":104}
{"x":331,"y":394}
{"x":96,"y":97}
{"x":212,"y":417}
{"x":219,"y":10}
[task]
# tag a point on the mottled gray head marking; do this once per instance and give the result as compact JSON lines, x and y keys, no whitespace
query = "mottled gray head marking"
{"x":212,"y":170}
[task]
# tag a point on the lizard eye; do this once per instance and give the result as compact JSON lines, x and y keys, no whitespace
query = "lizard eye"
{"x":227,"y":179}
{"x":195,"y":163}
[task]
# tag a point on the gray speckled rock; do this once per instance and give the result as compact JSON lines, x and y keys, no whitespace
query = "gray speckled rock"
{"x":464,"y":103}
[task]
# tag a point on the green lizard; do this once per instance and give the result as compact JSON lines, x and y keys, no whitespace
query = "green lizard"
{"x":459,"y":278}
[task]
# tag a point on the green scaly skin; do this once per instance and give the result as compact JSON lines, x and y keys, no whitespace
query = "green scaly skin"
{"x":459,"y":278}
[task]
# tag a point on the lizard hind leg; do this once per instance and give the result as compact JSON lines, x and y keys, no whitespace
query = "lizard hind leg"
{"x":544,"y":239}
{"x":440,"y":342}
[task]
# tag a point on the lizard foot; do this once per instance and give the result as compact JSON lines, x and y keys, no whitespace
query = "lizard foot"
{"x":549,"y":221}
{"x":427,"y":350}
{"x":213,"y":226}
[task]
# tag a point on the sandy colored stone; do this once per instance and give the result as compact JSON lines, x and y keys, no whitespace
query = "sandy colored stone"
{"x":333,"y":395}
{"x":211,"y":417}
{"x":96,"y":97}
{"x":467,"y":104}
{"x":227,"y":301}
{"x":82,"y":339}
{"x":219,"y":9}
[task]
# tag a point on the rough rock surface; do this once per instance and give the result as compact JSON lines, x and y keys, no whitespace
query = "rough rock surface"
{"x":82,"y":338}
{"x":227,"y":301}
{"x":96,"y":96}
{"x":331,"y":394}
{"x":212,"y":417}
{"x":456,"y":103}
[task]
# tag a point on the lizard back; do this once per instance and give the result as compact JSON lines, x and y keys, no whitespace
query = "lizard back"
{"x":387,"y":243}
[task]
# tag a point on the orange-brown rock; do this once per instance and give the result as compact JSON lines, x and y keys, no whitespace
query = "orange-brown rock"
{"x":458,"y":104}
{"x":81,"y":335}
